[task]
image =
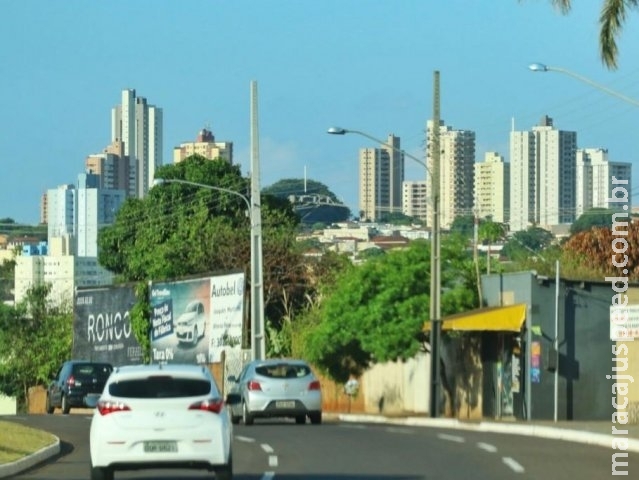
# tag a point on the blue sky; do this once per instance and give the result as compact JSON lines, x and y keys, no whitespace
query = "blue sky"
{"x":363,"y":65}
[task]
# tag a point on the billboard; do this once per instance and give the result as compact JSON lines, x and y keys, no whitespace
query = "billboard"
{"x":624,"y":322}
{"x":193,"y":321}
{"x":102,"y":326}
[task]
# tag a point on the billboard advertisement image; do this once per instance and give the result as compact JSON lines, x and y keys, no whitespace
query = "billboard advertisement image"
{"x":193,"y":321}
{"x":102,"y":326}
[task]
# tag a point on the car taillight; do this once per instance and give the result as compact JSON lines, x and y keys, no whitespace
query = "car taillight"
{"x":105,"y":407}
{"x":253,"y":385}
{"x":71,"y":381}
{"x":214,"y":405}
{"x":314,"y":385}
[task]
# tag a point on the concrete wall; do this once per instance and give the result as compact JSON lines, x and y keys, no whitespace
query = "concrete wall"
{"x":585,"y":348}
{"x":8,"y":405}
{"x":397,"y":387}
{"x":631,"y":351}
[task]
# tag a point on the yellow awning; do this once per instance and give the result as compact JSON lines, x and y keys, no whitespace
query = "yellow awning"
{"x":509,"y":318}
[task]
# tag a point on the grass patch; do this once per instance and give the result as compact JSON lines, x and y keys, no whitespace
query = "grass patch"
{"x":18,"y":441}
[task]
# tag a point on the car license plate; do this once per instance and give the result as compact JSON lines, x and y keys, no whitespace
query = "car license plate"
{"x":160,"y":447}
{"x":285,"y":404}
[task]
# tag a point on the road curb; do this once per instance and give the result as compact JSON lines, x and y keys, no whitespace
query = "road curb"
{"x":9,"y":469}
{"x":530,"y":430}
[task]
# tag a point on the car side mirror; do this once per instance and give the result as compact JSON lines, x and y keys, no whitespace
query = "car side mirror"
{"x":233,"y":399}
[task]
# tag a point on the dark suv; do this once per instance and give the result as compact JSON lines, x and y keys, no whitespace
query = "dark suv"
{"x":74,"y":381}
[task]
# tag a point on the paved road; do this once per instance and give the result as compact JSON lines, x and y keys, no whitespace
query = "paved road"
{"x":338,"y":451}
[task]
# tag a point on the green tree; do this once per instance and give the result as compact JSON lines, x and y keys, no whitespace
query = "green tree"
{"x":35,"y":338}
{"x":595,"y":217}
{"x":526,"y":243}
{"x":298,"y":186}
{"x":613,"y":16}
{"x":375,"y":312}
{"x":463,"y":225}
{"x":179,"y":230}
{"x":398,"y":218}
{"x":489,"y":233}
{"x":7,"y":279}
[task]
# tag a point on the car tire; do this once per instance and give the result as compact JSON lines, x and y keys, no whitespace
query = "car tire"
{"x":226,"y":471}
{"x":300,"y":419}
{"x":66,"y":408}
{"x":247,"y":418}
{"x":316,"y":418}
{"x":49,"y":408}
{"x":101,"y":473}
{"x":235,"y":419}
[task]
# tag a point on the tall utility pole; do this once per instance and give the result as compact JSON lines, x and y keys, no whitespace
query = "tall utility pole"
{"x":435,"y":266}
{"x":258,"y":340}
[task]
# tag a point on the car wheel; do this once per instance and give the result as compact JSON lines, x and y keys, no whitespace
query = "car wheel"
{"x":100,"y":473}
{"x":235,"y":419}
{"x":66,"y":408}
{"x":49,"y":408}
{"x":300,"y":419}
{"x":195,"y":336}
{"x":247,"y":418}
{"x":226,"y":471}
{"x":316,"y":418}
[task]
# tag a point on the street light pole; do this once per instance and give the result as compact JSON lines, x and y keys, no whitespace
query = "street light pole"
{"x":258,"y":345}
{"x":257,"y":317}
{"x":435,"y":257}
{"x":540,"y":67}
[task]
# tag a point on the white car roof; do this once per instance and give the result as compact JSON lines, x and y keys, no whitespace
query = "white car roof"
{"x":182,"y":370}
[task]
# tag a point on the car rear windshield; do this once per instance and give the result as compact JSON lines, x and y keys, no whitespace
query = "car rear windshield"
{"x":99,"y":370}
{"x":284,"y":370}
{"x":160,"y":387}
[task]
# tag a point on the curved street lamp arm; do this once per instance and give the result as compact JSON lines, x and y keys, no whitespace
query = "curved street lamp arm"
{"x":204,"y":185}
{"x":581,"y":78}
{"x":382,"y":142}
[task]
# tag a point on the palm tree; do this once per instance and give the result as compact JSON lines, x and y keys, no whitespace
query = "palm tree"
{"x":613,"y":15}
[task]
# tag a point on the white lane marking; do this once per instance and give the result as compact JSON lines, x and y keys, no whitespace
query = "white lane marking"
{"x":487,"y":447}
{"x":268,"y":475}
{"x":267,"y":448}
{"x":513,"y":464}
{"x":244,"y":439}
{"x":451,"y":438}
{"x":398,"y":430}
{"x":272,"y":460}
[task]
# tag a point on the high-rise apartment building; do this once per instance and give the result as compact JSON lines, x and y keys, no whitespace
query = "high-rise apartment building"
{"x":112,"y":165}
{"x":206,"y":146}
{"x":492,"y":188}
{"x":381,"y":173}
{"x":542,"y":177}
{"x":96,"y":208}
{"x":44,"y":209}
{"x":61,"y":216}
{"x":595,"y":179}
{"x":415,"y":199}
{"x":457,"y":171}
{"x":76,"y":214}
{"x":139,"y":126}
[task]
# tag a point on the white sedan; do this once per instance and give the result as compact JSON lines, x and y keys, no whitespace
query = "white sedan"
{"x":160,"y":416}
